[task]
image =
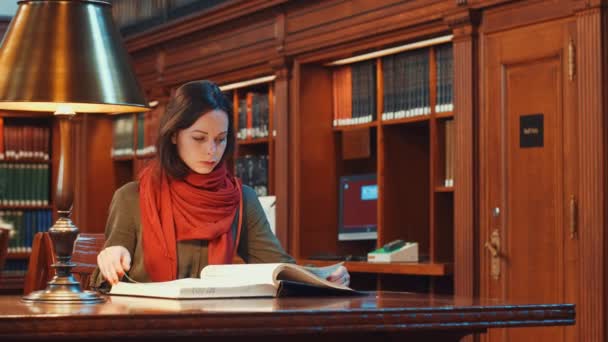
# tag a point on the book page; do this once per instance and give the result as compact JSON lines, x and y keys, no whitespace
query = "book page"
{"x":323,"y":272}
{"x":240,"y":274}
{"x":195,"y":288}
{"x":303,"y":275}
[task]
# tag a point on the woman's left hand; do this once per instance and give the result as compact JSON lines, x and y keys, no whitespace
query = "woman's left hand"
{"x":340,"y":276}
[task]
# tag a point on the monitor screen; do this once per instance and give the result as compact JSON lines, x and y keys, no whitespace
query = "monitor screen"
{"x":358,"y":208}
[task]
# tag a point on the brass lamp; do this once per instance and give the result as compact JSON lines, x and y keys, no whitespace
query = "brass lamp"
{"x":64,"y":57}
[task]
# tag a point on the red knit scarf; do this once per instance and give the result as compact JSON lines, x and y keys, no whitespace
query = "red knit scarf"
{"x":199,"y":207}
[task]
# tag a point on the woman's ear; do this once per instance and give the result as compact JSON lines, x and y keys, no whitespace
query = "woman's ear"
{"x":174,"y":138}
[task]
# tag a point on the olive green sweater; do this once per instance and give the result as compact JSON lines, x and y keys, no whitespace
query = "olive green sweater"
{"x":257,"y":242}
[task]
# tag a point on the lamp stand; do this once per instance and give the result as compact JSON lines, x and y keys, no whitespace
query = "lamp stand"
{"x":64,"y":288}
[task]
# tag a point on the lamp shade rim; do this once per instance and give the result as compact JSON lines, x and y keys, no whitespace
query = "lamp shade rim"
{"x":101,"y":2}
{"x":76,"y":107}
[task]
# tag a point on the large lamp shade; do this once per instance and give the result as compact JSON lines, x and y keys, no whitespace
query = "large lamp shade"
{"x":62,"y":53}
{"x":65,"y":57}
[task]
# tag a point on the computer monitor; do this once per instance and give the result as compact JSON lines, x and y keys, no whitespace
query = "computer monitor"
{"x":358,"y":211}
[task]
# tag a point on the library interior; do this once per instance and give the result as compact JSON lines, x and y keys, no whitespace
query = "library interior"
{"x":375,"y":135}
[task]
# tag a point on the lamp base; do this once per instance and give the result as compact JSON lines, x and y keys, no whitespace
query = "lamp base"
{"x":64,"y":290}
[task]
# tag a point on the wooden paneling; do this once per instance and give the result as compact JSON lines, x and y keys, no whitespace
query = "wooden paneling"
{"x":315,"y":225}
{"x":95,"y":177}
{"x":591,"y":64}
{"x":404,"y":268}
{"x":247,"y":44}
{"x":200,"y":21}
{"x":465,"y":116}
{"x":522,"y":14}
{"x":406,"y":177}
{"x":281,"y":153}
{"x":336,"y":22}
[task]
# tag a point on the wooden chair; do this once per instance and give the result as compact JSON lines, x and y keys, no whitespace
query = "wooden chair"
{"x":4,"y":237}
{"x":40,"y":272}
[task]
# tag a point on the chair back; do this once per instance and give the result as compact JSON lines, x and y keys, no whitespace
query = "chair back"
{"x":86,"y":249}
{"x":4,"y":236}
{"x":40,"y":272}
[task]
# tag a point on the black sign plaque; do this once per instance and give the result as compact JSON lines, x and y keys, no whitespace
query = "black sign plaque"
{"x":531,"y":130}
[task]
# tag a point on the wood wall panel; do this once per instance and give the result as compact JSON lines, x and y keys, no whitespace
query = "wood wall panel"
{"x":228,"y":62}
{"x":325,"y":13}
{"x":209,"y":45}
{"x":94,"y":177}
{"x":517,"y":14}
{"x":304,"y":34}
{"x":146,"y":64}
{"x":212,"y":17}
{"x":281,"y":166}
{"x":313,"y":124}
{"x":591,"y":315}
{"x":465,"y":116}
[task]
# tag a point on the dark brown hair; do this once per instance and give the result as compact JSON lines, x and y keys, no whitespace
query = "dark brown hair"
{"x":189,"y":102}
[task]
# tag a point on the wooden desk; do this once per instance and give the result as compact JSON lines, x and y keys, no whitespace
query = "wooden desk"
{"x":382,"y":316}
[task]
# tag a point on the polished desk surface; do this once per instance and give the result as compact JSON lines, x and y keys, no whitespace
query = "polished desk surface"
{"x":384,"y":312}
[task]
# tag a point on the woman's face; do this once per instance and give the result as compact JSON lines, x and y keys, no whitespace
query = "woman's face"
{"x":202,"y":145}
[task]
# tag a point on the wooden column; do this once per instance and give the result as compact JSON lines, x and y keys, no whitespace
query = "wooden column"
{"x":281,"y":67}
{"x":463,"y":23}
{"x":94,"y":176}
{"x":281,"y":160}
{"x":591,"y":76}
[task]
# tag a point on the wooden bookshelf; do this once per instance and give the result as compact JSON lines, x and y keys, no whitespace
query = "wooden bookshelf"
{"x":253,"y":141}
{"x":126,"y":168}
{"x":31,"y":132}
{"x":415,"y":119}
{"x":406,"y":155}
{"x":26,"y":207}
{"x":445,"y":115}
{"x":421,"y":269}
{"x":123,"y":158}
{"x":18,"y":255}
{"x":11,"y":284}
{"x":25,"y":161}
{"x":355,"y":127}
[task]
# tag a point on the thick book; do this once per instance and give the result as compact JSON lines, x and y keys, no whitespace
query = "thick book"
{"x":242,"y":280}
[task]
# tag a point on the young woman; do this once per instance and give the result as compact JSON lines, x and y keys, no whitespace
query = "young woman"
{"x":186,"y":210}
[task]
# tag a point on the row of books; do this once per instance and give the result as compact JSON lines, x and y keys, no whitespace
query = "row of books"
{"x":25,"y":225}
{"x":24,"y":184}
{"x":15,"y":268}
{"x":123,"y":144}
{"x":253,"y":116}
{"x":23,"y":141}
{"x":445,"y":78}
{"x":252,"y":123}
{"x":253,"y":171}
{"x":147,"y":130}
{"x":129,"y":12}
{"x":144,"y":124}
{"x":354,"y":92}
{"x":405,"y":82}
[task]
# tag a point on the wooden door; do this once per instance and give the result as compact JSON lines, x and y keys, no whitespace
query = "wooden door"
{"x":528,"y":175}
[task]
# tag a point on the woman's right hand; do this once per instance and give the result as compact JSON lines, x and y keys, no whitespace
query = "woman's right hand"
{"x":113,"y":263}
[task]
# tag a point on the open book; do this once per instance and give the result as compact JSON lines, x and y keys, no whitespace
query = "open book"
{"x":242,"y":280}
